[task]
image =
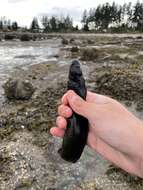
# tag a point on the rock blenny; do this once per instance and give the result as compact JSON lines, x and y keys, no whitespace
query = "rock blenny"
{"x":76,"y":133}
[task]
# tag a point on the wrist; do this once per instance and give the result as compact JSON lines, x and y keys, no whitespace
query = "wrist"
{"x":140,"y":150}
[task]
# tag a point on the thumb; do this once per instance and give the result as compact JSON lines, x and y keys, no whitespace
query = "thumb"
{"x":77,"y":104}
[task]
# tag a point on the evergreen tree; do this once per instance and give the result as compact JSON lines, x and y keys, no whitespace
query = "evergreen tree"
{"x":45,"y":23}
{"x":1,"y":25}
{"x":34,"y":25}
{"x":14,"y":26}
{"x":9,"y":24}
{"x":84,"y":17}
{"x":68,"y":23}
{"x":53,"y":24}
{"x":103,"y":16}
{"x":76,"y":28}
{"x":85,"y":21}
{"x":138,"y":16}
{"x":98,"y":17}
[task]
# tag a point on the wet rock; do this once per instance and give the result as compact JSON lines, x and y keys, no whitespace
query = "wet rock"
{"x":72,"y":40}
{"x":25,"y":57}
{"x":34,"y":37}
{"x":23,"y":165}
{"x":75,"y":49}
{"x":91,"y":42}
{"x":24,"y":159}
{"x":87,"y":185}
{"x":89,"y":54}
{"x":65,"y":41}
{"x":139,"y":37}
{"x":34,"y":77}
{"x":115,"y":179}
{"x":9,"y":37}
{"x":18,"y":89}
{"x":25,"y":37}
{"x":56,"y":56}
{"x":124,"y":84}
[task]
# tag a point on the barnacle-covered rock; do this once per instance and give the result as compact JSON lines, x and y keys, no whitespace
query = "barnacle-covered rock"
{"x":18,"y":89}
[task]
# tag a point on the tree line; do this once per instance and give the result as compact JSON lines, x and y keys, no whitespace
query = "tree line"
{"x":49,"y":24}
{"x":103,"y":18}
{"x":114,"y":17}
{"x":7,"y":24}
{"x":55,"y":24}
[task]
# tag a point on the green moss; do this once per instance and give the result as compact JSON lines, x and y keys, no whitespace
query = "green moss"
{"x":106,"y":39}
{"x":89,"y":54}
{"x":41,"y":139}
{"x":5,"y":170}
{"x":124,"y":83}
{"x":50,"y":66}
{"x":74,"y":49}
{"x":24,"y":184}
{"x":65,"y":41}
{"x":129,"y":51}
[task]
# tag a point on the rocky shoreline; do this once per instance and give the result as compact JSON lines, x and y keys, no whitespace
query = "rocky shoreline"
{"x":28,"y":157}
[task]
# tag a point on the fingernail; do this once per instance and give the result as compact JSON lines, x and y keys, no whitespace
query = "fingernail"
{"x":72,"y":96}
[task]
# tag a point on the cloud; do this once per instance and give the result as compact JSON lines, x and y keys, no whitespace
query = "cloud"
{"x":16,"y":1}
{"x":74,"y":12}
{"x":24,"y":10}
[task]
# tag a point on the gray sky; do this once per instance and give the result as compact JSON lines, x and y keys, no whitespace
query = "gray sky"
{"x":24,"y":10}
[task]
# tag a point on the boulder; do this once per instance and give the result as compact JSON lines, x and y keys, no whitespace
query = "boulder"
{"x":65,"y":41}
{"x":25,"y":37}
{"x":9,"y":36}
{"x":18,"y":89}
{"x":75,"y":49}
{"x":72,"y":40}
{"x":89,"y":54}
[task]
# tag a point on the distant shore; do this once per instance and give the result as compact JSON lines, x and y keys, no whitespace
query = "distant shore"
{"x":42,"y":36}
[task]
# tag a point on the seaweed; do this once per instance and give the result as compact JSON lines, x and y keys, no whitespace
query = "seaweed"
{"x":76,"y":133}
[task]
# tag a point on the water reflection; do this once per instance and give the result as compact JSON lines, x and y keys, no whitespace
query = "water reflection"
{"x":15,"y":54}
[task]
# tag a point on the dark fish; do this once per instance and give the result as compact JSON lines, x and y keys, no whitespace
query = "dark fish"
{"x":76,"y":133}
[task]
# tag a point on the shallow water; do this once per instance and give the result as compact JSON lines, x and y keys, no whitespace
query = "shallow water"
{"x":68,"y":175}
{"x":16,"y":54}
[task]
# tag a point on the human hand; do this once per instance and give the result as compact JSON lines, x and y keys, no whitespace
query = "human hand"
{"x":114,"y":132}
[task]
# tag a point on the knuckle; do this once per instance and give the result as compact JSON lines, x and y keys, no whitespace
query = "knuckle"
{"x":77,"y":104}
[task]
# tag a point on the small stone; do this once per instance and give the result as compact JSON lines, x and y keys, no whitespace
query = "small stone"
{"x":22,"y":126}
{"x":65,"y":41}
